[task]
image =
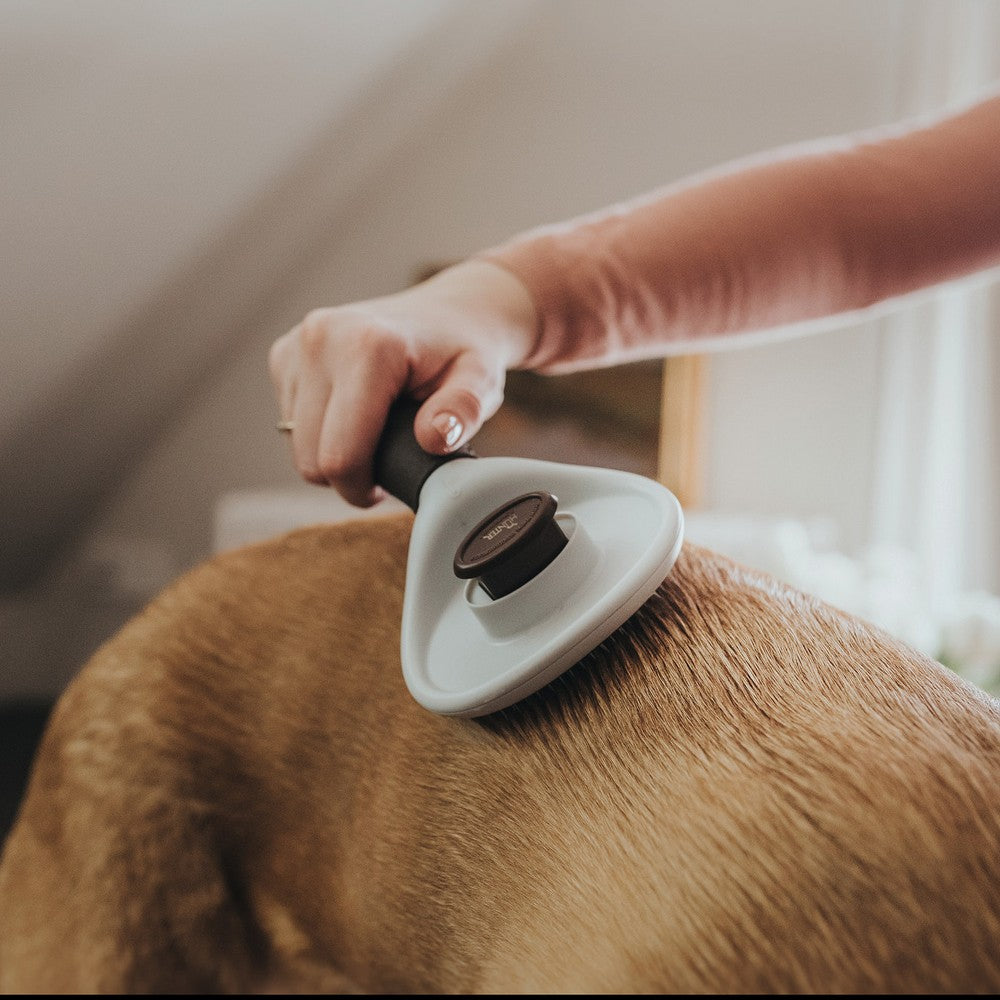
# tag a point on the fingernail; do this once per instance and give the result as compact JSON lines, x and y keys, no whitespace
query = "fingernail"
{"x":449,"y":427}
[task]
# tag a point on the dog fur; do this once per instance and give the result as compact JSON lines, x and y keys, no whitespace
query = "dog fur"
{"x":742,"y":790}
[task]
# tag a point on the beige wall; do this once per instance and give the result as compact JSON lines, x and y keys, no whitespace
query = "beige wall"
{"x":590,"y":101}
{"x":593,"y":101}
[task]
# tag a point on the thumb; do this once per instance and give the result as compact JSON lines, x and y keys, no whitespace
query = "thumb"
{"x":453,"y":414}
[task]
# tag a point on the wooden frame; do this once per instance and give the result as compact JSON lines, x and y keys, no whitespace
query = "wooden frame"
{"x":681,"y":440}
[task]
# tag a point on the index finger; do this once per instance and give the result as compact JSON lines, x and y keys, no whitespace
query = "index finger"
{"x":364,"y":387}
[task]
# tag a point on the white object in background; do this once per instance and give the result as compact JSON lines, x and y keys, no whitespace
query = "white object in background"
{"x":970,"y":638}
{"x":883,"y":585}
{"x":246,"y":516}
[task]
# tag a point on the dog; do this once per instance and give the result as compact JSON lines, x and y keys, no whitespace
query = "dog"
{"x":742,"y":790}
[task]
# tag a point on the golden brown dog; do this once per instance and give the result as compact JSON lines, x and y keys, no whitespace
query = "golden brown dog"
{"x":742,"y":790}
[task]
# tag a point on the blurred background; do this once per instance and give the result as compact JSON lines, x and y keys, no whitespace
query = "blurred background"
{"x":184,"y":180}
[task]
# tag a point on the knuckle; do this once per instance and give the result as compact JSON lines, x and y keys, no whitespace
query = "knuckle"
{"x":317,"y":317}
{"x":328,"y":333}
{"x":491,"y":400}
{"x":311,"y":473}
{"x":334,"y":466}
{"x":469,"y":403}
{"x":314,"y":335}
{"x":372,"y":343}
{"x":348,"y":471}
{"x":277,"y":357}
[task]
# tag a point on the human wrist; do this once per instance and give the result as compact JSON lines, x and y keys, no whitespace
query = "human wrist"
{"x":496,"y":301}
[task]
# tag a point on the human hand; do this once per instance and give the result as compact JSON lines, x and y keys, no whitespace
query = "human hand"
{"x":447,"y":342}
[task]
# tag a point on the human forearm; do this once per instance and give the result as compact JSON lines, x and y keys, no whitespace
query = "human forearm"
{"x":807,"y":232}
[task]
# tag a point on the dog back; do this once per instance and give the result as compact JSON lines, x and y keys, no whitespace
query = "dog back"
{"x":742,"y":790}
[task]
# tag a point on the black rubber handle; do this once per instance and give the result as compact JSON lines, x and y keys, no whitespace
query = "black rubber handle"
{"x":401,"y":466}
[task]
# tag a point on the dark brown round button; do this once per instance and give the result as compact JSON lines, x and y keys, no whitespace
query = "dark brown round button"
{"x":512,"y":544}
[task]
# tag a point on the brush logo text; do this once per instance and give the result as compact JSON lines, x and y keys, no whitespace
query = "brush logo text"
{"x":508,"y":523}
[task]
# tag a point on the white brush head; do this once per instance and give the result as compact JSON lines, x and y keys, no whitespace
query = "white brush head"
{"x":466,"y":654}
